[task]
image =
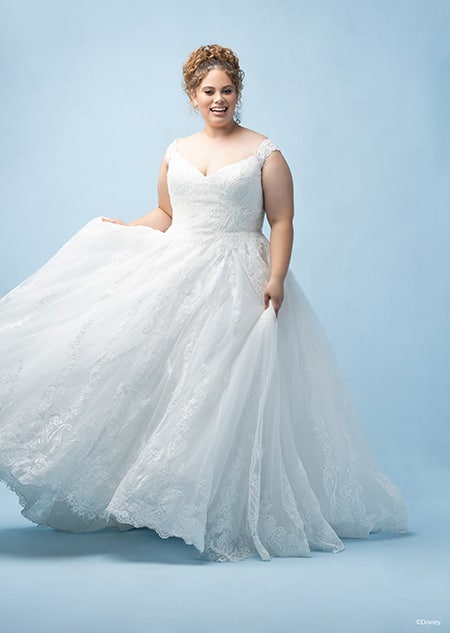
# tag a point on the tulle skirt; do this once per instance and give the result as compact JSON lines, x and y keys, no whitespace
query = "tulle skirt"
{"x":142,"y":384}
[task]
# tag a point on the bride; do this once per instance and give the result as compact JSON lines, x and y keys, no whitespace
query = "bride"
{"x":169,"y":373}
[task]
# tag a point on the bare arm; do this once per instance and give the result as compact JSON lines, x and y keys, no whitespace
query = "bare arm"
{"x":279,"y":206}
{"x":159,"y":218}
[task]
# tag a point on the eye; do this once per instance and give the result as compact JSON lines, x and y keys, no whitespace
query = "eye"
{"x":228,"y":91}
{"x":209,"y":92}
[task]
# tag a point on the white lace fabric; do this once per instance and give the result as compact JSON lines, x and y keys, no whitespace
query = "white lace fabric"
{"x":142,"y":383}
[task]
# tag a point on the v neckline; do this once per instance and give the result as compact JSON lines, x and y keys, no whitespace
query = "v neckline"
{"x":236,"y":162}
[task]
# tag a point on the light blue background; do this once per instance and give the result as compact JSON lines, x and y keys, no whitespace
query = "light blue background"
{"x":356,"y":93}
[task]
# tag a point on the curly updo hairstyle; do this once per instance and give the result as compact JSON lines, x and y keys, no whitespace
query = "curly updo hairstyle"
{"x":204,"y":59}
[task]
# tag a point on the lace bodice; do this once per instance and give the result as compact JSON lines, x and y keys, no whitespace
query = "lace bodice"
{"x":228,"y":200}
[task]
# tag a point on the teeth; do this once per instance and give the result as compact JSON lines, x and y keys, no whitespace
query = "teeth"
{"x":218,"y":109}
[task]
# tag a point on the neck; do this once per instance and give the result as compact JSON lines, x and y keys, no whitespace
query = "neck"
{"x":220,"y":132}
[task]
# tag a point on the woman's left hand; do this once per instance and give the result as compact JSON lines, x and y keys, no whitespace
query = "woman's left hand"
{"x":274,"y":292}
{"x":115,"y":221}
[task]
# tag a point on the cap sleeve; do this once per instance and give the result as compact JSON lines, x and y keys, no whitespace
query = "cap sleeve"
{"x":265,"y":149}
{"x":170,"y":151}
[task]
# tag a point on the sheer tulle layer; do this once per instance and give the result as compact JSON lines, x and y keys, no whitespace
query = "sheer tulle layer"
{"x":144,"y":384}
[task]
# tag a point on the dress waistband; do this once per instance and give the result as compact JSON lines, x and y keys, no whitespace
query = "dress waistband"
{"x":212,"y":234}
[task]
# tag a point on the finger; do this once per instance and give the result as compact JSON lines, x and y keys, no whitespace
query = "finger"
{"x":276,"y":304}
{"x":266,"y":300}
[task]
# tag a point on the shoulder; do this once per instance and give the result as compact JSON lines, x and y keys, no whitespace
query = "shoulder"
{"x":261,"y":146}
{"x":250,"y":139}
{"x":180,"y":144}
{"x":257,"y":144}
{"x":171,"y":149}
{"x":185,"y":142}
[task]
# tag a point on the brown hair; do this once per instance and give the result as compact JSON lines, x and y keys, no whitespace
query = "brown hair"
{"x":204,"y":59}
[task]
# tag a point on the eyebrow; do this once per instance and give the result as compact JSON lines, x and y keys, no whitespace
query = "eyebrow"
{"x":213,"y":87}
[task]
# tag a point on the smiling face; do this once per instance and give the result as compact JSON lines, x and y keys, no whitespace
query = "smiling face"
{"x":216,"y":98}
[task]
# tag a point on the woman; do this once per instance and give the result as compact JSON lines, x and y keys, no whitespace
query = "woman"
{"x":188,"y":387}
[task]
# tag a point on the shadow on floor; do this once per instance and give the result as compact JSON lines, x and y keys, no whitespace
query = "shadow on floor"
{"x":138,"y":545}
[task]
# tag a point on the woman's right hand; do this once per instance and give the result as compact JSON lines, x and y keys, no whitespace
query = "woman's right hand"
{"x":114,"y":221}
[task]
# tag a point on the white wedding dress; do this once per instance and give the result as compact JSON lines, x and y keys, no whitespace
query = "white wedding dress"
{"x":142,"y":383}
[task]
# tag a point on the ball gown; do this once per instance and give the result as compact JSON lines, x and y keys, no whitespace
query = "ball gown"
{"x":143,"y":384}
